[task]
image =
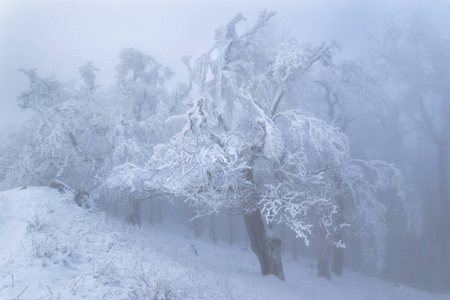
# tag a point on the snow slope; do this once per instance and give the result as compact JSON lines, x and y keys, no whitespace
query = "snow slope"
{"x":52,"y":249}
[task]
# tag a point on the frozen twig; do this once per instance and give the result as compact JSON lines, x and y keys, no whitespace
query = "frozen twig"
{"x":195,"y":249}
{"x":21,"y":292}
{"x":49,"y":289}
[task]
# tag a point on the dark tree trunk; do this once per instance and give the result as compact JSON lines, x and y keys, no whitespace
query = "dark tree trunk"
{"x":134,"y":211}
{"x":283,"y":238}
{"x":323,"y":263}
{"x":295,"y":248}
{"x":212,"y":229}
{"x":155,"y":211}
{"x":159,"y":214}
{"x":116,"y":210}
{"x":338,"y":259}
{"x":198,"y":227}
{"x":444,"y":199}
{"x":441,"y":138}
{"x":231,"y":229}
{"x":82,"y":199}
{"x":323,"y":268}
{"x":267,"y":248}
{"x":151,"y":208}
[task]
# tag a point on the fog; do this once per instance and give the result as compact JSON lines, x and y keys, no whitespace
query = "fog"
{"x":371,"y":78}
{"x":57,"y":37}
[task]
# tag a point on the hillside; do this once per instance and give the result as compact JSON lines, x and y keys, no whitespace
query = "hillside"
{"x":52,"y":249}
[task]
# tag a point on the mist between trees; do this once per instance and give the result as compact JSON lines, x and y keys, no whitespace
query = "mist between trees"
{"x":272,"y":143}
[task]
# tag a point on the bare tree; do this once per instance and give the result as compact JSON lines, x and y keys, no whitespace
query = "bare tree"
{"x":416,"y":63}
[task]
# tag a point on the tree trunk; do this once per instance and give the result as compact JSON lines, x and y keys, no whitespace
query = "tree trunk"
{"x":212,"y":229}
{"x":151,"y":216}
{"x":283,"y":238}
{"x":231,"y":229}
{"x":444,"y":198}
{"x":295,"y":248}
{"x":323,"y":263}
{"x":115,"y":209}
{"x":134,"y":211}
{"x":198,"y":227}
{"x":338,"y":259}
{"x":159,"y":216}
{"x":266,"y":247}
{"x":82,"y":199}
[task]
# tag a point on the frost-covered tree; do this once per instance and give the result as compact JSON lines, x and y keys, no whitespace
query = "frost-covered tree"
{"x":349,"y":98}
{"x":143,"y":105}
{"x":231,"y":146}
{"x":246,"y":146}
{"x":311,"y":200}
{"x":64,"y":140}
{"x":11,"y":145}
{"x":303,"y":194}
{"x":88,"y":76}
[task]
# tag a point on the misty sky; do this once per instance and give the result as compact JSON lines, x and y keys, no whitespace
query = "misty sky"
{"x":57,"y":37}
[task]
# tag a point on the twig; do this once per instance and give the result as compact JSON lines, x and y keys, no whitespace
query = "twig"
{"x":22,"y":292}
{"x":12,"y":280}
{"x":49,"y":289}
{"x":195,"y":249}
{"x":145,"y":281}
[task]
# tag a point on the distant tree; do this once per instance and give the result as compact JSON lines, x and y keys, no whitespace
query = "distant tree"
{"x":349,"y":98}
{"x":414,"y":59}
{"x":88,"y":76}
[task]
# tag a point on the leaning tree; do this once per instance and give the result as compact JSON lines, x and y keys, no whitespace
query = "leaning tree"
{"x":246,"y":145}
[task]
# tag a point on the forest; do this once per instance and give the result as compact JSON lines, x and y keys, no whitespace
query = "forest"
{"x":272,"y":142}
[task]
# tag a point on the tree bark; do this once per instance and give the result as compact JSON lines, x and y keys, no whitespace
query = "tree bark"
{"x":231,"y":229}
{"x":444,"y":199}
{"x":212,"y":229}
{"x":283,"y":238}
{"x":82,"y":199}
{"x":151,"y":210}
{"x":338,"y":259}
{"x":266,"y":247}
{"x":134,"y":211}
{"x":198,"y":227}
{"x":159,"y":214}
{"x":295,"y":248}
{"x":115,"y":209}
{"x":323,"y":263}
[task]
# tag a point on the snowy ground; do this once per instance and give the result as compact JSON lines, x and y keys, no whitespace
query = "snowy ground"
{"x":52,"y":249}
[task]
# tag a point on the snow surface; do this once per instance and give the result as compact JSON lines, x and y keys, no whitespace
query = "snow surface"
{"x":52,"y":249}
